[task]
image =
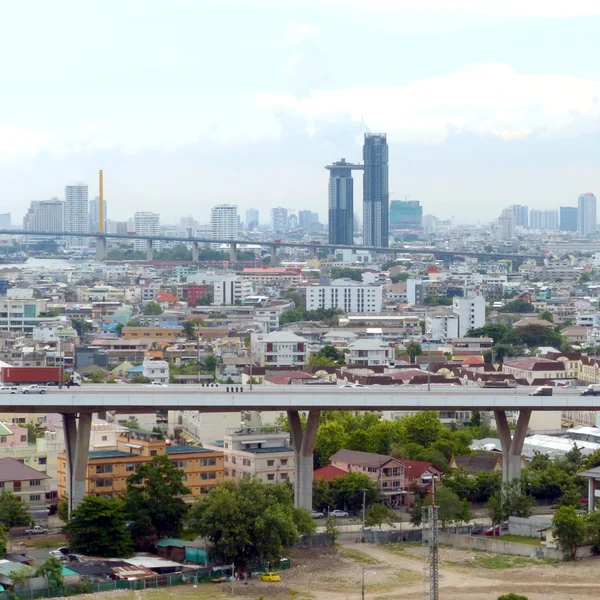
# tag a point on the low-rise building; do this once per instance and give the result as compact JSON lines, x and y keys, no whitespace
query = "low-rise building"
{"x":369,"y":352}
{"x":156,"y":370}
{"x":280,"y":349}
{"x":27,"y":484}
{"x":152,"y":333}
{"x":535,"y":369}
{"x":108,"y":470}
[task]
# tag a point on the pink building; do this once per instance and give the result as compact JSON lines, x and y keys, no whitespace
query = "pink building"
{"x":12,"y":436}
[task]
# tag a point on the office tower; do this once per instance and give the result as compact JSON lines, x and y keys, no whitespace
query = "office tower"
{"x":223,"y":223}
{"x":546,"y":220}
{"x":279,"y":219}
{"x":292,"y":222}
{"x":506,"y":224}
{"x":189,"y":225}
{"x":341,"y":202}
{"x":94,"y":217}
{"x":356,"y":223}
{"x":251,"y":219}
{"x":118,"y":227}
{"x":406,"y":214}
{"x":146,"y":223}
{"x":375,"y":190}
{"x":44,"y":215}
{"x":521,"y":215}
{"x":308,"y":220}
{"x":76,"y":214}
{"x":5,"y":222}
{"x":568,"y":218}
{"x":586,"y":214}
{"x":430,"y":223}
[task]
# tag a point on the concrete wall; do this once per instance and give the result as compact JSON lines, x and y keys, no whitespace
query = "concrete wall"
{"x":497,"y":546}
{"x":528,"y":527}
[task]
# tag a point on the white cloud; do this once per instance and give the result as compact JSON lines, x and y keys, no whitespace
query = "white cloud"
{"x":16,"y":142}
{"x":489,"y":97}
{"x":295,"y":33}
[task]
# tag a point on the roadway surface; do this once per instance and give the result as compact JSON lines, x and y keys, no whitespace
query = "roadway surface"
{"x":147,"y":399}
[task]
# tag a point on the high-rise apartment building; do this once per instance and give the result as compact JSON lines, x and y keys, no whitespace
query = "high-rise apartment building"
{"x":470,"y":310}
{"x":521,"y":215}
{"x":308,"y":220}
{"x":45,"y":215}
{"x":189,"y":225}
{"x":5,"y":221}
{"x":76,"y":214}
{"x":506,"y":225}
{"x":279,"y":219}
{"x":406,"y":214}
{"x":94,"y":216}
{"x":341,"y":202}
{"x":586,"y":214}
{"x":223,"y":223}
{"x":375,"y":190}
{"x":546,"y":220}
{"x":118,"y":227}
{"x":568,"y":218}
{"x":146,"y":223}
{"x":251,"y":219}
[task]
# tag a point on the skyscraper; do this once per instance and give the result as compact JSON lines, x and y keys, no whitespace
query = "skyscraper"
{"x":307,"y":220}
{"x":375,"y":190}
{"x":341,"y":202}
{"x":546,"y":220}
{"x":76,"y":214}
{"x":586,"y":214}
{"x":521,"y":215}
{"x":251,"y":219}
{"x":568,"y":218}
{"x":94,"y":216}
{"x":5,"y":222}
{"x":506,"y":224}
{"x":146,"y":223}
{"x":406,"y":214}
{"x":44,"y":215}
{"x":279,"y":219}
{"x":223,"y":223}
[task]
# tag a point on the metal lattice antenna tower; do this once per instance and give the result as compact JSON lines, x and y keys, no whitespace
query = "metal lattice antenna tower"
{"x":430,"y":540}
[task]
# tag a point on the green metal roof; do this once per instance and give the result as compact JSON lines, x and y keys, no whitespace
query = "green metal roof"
{"x":109,"y":454}
{"x":4,"y":430}
{"x":66,"y":572}
{"x":6,"y":568}
{"x":172,"y":542}
{"x":186,"y":449}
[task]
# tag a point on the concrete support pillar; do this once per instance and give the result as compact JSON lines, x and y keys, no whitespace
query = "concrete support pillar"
{"x":100,"y":249}
{"x":232,"y":253}
{"x":77,"y":443}
{"x":512,"y":448}
{"x":149,"y":250}
{"x":591,"y":496}
{"x":274,"y":260}
{"x":195,"y":252}
{"x":304,"y":443}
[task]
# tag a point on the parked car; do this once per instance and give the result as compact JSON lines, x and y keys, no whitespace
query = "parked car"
{"x":34,"y":388}
{"x":315,"y":514}
{"x":9,"y":389}
{"x":493,"y":530}
{"x":476,"y":530}
{"x":270,"y":576}
{"x":60,"y":553}
{"x":591,"y":390}
{"x":543,"y":390}
{"x":36,"y":530}
{"x":339,"y":514}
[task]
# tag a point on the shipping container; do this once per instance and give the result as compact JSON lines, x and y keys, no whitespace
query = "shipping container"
{"x":27,"y":375}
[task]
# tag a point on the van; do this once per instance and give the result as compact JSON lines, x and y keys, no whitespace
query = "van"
{"x":9,"y":389}
{"x":543,"y":390}
{"x":592,"y":390}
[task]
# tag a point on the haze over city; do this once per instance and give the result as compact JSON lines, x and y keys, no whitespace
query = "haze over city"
{"x":190,"y":104}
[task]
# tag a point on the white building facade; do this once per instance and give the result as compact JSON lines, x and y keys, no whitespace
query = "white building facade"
{"x":231,"y":289}
{"x":76,"y":214}
{"x":44,"y":215}
{"x":586,"y":214}
{"x":470,"y":311}
{"x":346,"y":295}
{"x":223,"y":223}
{"x":146,"y":223}
{"x":280,"y":349}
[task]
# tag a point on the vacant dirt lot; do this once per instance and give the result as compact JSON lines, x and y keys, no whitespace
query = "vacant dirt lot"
{"x":396,"y":572}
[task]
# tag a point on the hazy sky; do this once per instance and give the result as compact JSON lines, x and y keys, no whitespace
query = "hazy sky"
{"x":189,"y":103}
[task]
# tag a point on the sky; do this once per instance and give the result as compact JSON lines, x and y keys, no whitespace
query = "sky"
{"x":189,"y":103}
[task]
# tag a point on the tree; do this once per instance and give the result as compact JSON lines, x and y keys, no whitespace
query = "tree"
{"x":81,"y":326}
{"x":20,"y":576}
{"x":119,"y":327}
{"x":331,"y":528}
{"x":98,"y":527}
{"x":191,"y":327}
{"x":249,"y":522}
{"x":13,"y":512}
{"x":322,"y":495}
{"x":416,"y":512}
{"x":154,"y":492}
{"x":517,"y":306}
{"x":451,"y":509}
{"x":569,"y":529}
{"x":132,"y":423}
{"x":3,"y":541}
{"x":512,"y":597}
{"x":546,"y":315}
{"x":347,"y":491}
{"x":423,"y":428}
{"x":62,"y":509}
{"x":51,"y":568}
{"x":379,"y":514}
{"x":210,"y":363}
{"x":327,"y":356}
{"x":509,"y":501}
{"x":140,"y":379}
{"x":346,"y":273}
{"x":153,"y":308}
{"x":413,"y":349}
{"x":331,"y":437}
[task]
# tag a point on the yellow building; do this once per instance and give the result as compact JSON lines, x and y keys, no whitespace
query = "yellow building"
{"x":152,"y":333}
{"x":108,"y":470}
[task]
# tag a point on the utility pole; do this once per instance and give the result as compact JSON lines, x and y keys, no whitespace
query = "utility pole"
{"x":429,"y":366}
{"x":363,"y":583}
{"x":433,"y":547}
{"x":364,"y":491}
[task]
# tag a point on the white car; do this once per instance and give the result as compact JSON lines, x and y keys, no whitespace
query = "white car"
{"x":316,"y":514}
{"x":34,"y":388}
{"x":339,"y":514}
{"x":9,"y":389}
{"x":157,"y":384}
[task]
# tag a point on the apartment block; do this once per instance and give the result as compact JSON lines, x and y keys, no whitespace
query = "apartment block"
{"x":346,"y":295}
{"x":151,"y":333}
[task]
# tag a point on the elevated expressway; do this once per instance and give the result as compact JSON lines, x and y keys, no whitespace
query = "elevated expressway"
{"x":78,"y":404}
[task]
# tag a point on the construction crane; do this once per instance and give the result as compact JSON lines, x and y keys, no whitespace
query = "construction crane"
{"x":367,"y":130}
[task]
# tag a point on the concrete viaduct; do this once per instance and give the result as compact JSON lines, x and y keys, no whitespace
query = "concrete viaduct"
{"x":77,"y":406}
{"x":101,"y":248}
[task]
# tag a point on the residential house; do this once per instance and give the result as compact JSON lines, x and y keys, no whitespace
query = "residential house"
{"x":369,"y":352}
{"x":156,"y":370}
{"x":280,"y":349}
{"x":535,"y":371}
{"x":152,"y":333}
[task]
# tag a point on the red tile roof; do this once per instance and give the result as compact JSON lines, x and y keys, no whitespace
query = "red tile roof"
{"x":328,"y":472}
{"x":285,"y":378}
{"x":473,"y":360}
{"x":416,"y":468}
{"x":166,"y":297}
{"x":432,"y":269}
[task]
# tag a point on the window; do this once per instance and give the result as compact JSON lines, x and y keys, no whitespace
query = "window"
{"x":206,"y":476}
{"x":104,"y":438}
{"x":180,"y":464}
{"x":1,"y":484}
{"x":104,"y":468}
{"x":130,"y":467}
{"x":103,"y":482}
{"x":42,"y":460}
{"x":3,"y":439}
{"x":284,"y":461}
{"x":284,"y":476}
{"x":35,"y":498}
{"x":205,"y":490}
{"x":270,"y":463}
{"x":153,"y":452}
{"x":208,"y":462}
{"x":23,"y":438}
{"x":246,"y":462}
{"x":35,"y":482}
{"x":270,"y":477}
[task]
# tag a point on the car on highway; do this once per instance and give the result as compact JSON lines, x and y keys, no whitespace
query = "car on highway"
{"x":270,"y":576}
{"x":542,"y":390}
{"x":34,"y":388}
{"x":157,"y":384}
{"x":339,"y":514}
{"x":35,"y":530}
{"x":315,"y":514}
{"x":9,"y":389}
{"x":591,"y":390}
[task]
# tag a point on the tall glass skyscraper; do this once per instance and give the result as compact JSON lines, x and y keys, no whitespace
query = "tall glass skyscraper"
{"x":341,"y":202}
{"x":375,"y":190}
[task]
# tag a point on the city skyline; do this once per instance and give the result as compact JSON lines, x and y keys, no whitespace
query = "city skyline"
{"x":515,"y":122}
